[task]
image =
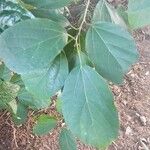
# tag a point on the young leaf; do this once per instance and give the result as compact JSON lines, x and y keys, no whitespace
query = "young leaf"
{"x":105,"y":12}
{"x":88,"y":107}
{"x":112,"y":50}
{"x":11,"y":13}
{"x":44,"y":124}
{"x":29,"y":47}
{"x":47,"y":4}
{"x":67,"y":141}
{"x":138,"y":13}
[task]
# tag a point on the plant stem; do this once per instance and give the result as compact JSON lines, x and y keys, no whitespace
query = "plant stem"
{"x":82,"y":23}
{"x":80,"y":29}
{"x":71,"y":37}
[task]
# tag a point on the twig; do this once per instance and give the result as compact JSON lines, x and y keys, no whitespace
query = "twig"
{"x":82,"y":23}
{"x":79,"y":32}
{"x":14,"y":134}
{"x":4,"y":113}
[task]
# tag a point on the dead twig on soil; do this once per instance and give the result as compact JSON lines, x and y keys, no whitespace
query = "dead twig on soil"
{"x":14,"y":134}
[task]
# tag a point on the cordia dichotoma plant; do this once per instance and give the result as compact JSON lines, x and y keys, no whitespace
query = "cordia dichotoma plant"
{"x":43,"y":54}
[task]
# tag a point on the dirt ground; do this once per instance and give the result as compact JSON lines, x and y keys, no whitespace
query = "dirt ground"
{"x":132,"y":102}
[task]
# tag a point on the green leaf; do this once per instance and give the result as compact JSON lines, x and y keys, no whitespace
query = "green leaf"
{"x":71,"y":51}
{"x":105,"y":12}
{"x":5,"y":73}
{"x":11,"y":13}
{"x":49,"y":80}
{"x":32,"y":101}
{"x":122,"y":12}
{"x":74,"y":59}
{"x":88,"y":107}
{"x":59,"y":105}
{"x":111,"y":49}
{"x":26,"y":98}
{"x":1,"y":30}
{"x":12,"y":107}
{"x":44,"y":124}
{"x":67,"y":141}
{"x":1,"y":70}
{"x":52,"y":14}
{"x":16,"y":79}
{"x":138,"y":13}
{"x":29,"y":48}
{"x":21,"y":114}
{"x":47,"y":4}
{"x":8,"y":93}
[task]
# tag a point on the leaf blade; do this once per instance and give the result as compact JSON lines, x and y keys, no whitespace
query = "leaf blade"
{"x":104,"y":12}
{"x":37,"y":42}
{"x":138,"y":13}
{"x":48,"y":80}
{"x":11,"y":13}
{"x":44,"y":124}
{"x":47,"y":4}
{"x":66,"y":140}
{"x":85,"y":111}
{"x":111,"y":49}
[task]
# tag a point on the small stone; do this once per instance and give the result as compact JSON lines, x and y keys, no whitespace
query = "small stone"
{"x":138,"y":115}
{"x":128,"y":130}
{"x":129,"y":118}
{"x":132,"y":75}
{"x":63,"y":124}
{"x":143,"y":120}
{"x":135,"y":91}
{"x":147,"y":73}
{"x":125,"y":103}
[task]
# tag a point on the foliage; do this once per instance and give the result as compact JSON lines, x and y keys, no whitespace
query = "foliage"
{"x":46,"y":54}
{"x":66,"y":140}
{"x":138,"y":13}
{"x":44,"y":124}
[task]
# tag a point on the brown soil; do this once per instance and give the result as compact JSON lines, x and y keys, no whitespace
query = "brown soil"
{"x":132,"y":102}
